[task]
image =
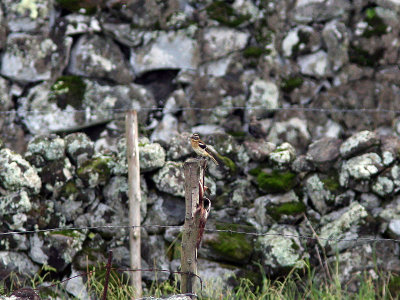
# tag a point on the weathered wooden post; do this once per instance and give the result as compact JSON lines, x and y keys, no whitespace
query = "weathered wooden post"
{"x":194,"y":182}
{"x":132,"y":152}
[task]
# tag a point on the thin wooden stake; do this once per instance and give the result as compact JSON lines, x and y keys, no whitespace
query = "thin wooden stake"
{"x":194,"y":177}
{"x":108,"y":271}
{"x":132,"y":151}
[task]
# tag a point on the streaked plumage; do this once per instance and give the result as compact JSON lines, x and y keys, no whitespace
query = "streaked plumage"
{"x":201,"y":148}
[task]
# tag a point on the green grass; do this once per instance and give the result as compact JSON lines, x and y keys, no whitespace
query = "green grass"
{"x":296,"y":285}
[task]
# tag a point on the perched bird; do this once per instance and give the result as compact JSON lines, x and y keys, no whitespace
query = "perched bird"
{"x":201,"y":148}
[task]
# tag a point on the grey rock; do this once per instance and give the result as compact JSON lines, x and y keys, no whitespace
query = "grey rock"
{"x":98,"y":57}
{"x":394,"y":228}
{"x":278,"y":252}
{"x":294,"y":131}
{"x":315,"y":64}
{"x":17,"y":262}
{"x":180,"y":147}
{"x":267,"y":209}
{"x":143,"y":14}
{"x":391,"y":210}
{"x":222,"y":41}
{"x":95,"y":171}
{"x":390,"y":147}
{"x":166,"y":130}
{"x":151,"y":156}
{"x":360,"y":168}
{"x":35,"y":58}
{"x":225,"y":144}
{"x":32,"y":17}
{"x":242,"y":192}
{"x":344,"y":225}
{"x":17,"y":173}
{"x":170,"y":179}
{"x":323,"y":152}
{"x":301,"y":39}
{"x":215,"y":274}
{"x":80,"y":24}
{"x":358,"y":142}
{"x":78,"y":147}
{"x":3,"y":29}
{"x":14,"y":203}
{"x":217,"y":68}
{"x":6,"y":102}
{"x":320,"y":196}
{"x":77,"y":287}
{"x":316,"y":11}
{"x":370,"y":201}
{"x":154,"y":253}
{"x":336,"y":39}
{"x":364,"y":258}
{"x":116,"y":195}
{"x":50,"y":147}
{"x":57,"y":247}
{"x":60,"y":106}
{"x":383,"y":186}
{"x":164,"y":51}
{"x":282,"y":156}
{"x":302,"y":164}
{"x":259,"y":150}
{"x":55,"y":174}
{"x":263,"y":94}
{"x":167,"y":210}
{"x":207,"y":129}
{"x":344,"y":199}
{"x":125,"y":34}
{"x":101,"y":214}
{"x":172,"y":234}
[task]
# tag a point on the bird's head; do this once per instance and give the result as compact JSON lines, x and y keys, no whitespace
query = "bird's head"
{"x":195,"y":137}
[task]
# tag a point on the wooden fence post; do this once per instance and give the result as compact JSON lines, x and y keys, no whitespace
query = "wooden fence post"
{"x":132,"y":151}
{"x":194,"y":178}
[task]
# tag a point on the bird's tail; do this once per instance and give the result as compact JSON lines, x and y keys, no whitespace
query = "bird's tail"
{"x":212,"y":155}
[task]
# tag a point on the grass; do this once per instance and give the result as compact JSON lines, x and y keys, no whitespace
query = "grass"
{"x":296,"y":285}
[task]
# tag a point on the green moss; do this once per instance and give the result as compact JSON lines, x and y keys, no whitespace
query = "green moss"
{"x":331,"y":183}
{"x":237,"y":134}
{"x":255,"y":171}
{"x":228,"y":163}
{"x":376,"y":25}
{"x":69,"y":188}
{"x":362,"y":57}
{"x":276,"y":182}
{"x":222,"y":12}
{"x":255,"y":51}
{"x":291,"y":83}
{"x":98,"y":165}
{"x":289,"y":208}
{"x":89,"y":7}
{"x":233,"y":247}
{"x":68,"y":90}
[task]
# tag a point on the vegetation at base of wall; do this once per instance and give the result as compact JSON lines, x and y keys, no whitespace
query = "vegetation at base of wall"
{"x":296,"y":285}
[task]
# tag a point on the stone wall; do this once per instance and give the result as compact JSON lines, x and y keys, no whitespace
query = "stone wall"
{"x":342,"y":190}
{"x":286,"y":91}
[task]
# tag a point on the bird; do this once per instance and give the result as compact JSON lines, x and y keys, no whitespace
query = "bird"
{"x":201,"y":148}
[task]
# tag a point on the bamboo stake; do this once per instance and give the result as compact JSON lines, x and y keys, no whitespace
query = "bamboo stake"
{"x":132,"y":151}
